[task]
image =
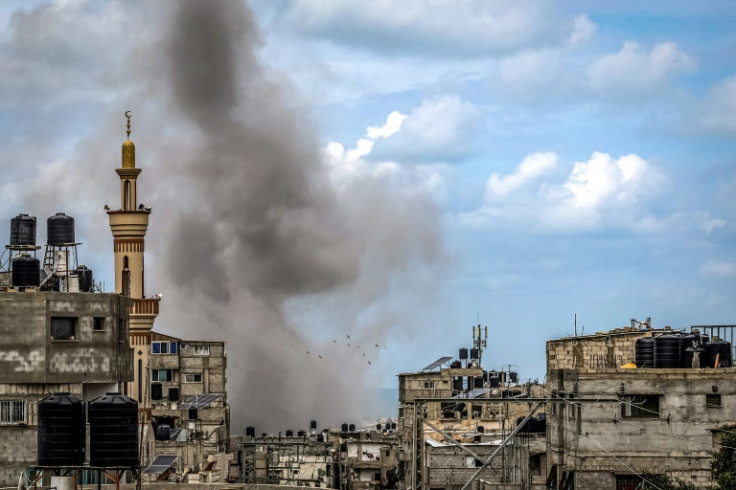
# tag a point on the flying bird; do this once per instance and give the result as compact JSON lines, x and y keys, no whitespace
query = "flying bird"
{"x":348,"y":335}
{"x":363,"y":354}
{"x":334,"y":341}
{"x":369,"y":362}
{"x":319,"y":356}
{"x":307,"y":352}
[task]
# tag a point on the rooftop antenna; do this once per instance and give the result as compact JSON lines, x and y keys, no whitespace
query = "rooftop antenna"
{"x":576,"y":324}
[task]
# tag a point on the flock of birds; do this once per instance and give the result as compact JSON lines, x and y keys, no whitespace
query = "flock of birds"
{"x":348,"y":342}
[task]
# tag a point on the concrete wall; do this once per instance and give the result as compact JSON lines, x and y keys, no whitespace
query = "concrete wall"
{"x":677,"y":441}
{"x":28,"y":353}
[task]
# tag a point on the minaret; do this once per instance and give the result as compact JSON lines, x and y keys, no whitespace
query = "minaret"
{"x":129,"y":225}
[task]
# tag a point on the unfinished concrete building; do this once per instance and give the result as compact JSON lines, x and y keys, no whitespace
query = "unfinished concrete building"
{"x":630,"y":401}
{"x":54,"y":338}
{"x":453,"y":414}
{"x":369,"y":458}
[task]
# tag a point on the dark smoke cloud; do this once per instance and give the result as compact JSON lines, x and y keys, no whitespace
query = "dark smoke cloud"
{"x":264,"y":228}
{"x":251,"y":240}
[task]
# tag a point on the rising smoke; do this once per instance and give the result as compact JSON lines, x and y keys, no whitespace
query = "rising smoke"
{"x":251,"y":239}
{"x":264,"y":228}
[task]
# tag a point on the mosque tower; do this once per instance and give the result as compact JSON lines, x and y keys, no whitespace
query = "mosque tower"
{"x":129,"y":225}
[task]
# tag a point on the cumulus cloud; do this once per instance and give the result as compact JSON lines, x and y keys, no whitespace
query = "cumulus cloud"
{"x":635,"y":70}
{"x":531,"y":168}
{"x":601,"y":191}
{"x":442,"y":129}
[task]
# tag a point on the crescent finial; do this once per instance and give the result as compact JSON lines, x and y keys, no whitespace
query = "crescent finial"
{"x":128,"y":115}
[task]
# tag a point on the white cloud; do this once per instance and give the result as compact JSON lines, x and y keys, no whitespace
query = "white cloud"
{"x":718,"y":269}
{"x":532,"y":167}
{"x":719,"y":110}
{"x":635,"y":70}
{"x":603,"y":191}
{"x":440,"y":130}
{"x":438,"y":28}
{"x":583,"y":29}
{"x":392,"y":126}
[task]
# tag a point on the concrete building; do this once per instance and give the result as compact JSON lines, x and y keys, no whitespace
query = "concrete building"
{"x":369,"y":458}
{"x":451,"y":407}
{"x":306,"y":460}
{"x":609,"y":421}
{"x":54,"y":342}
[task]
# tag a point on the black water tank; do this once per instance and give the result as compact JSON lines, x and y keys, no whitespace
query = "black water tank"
{"x":313,"y":425}
{"x":463,"y":353}
{"x":456,"y":364}
{"x":393,"y":426}
{"x":644,"y":352}
{"x":351,"y":428}
{"x":86,"y":280}
{"x":687,"y":340}
{"x":23,"y":230}
{"x":193,"y":414}
{"x":157,"y":391}
{"x":320,"y":438}
{"x":250,"y":431}
{"x":163,"y":432}
{"x":514,"y":376}
{"x":344,"y":427}
{"x":301,"y":433}
{"x":690,"y":354}
{"x":289,"y":433}
{"x":26,"y":271}
{"x":719,"y":349}
{"x":481,"y":429}
{"x":60,"y":229}
{"x":457,"y":383}
{"x":61,"y":431}
{"x":478,"y":382}
{"x":485,"y":376}
{"x":494,"y":381}
{"x":474,"y":353}
{"x":174,"y":394}
{"x":113,"y":431}
{"x":667,"y":351}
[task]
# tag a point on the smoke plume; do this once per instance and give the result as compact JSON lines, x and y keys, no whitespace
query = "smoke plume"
{"x":260,"y":237}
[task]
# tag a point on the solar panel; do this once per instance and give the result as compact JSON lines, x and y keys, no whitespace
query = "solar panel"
{"x":174,"y":434}
{"x":160,"y":464}
{"x":474,"y":393}
{"x":199,"y":401}
{"x":437,"y":363}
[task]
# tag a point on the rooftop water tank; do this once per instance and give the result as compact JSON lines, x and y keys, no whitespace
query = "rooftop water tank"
{"x":26,"y":271}
{"x":667,"y":351}
{"x":23,"y":230}
{"x":463,"y":353}
{"x":644,"y":352}
{"x":61,"y":431}
{"x":113,"y":431}
{"x":60,"y":229}
{"x":718,"y":350}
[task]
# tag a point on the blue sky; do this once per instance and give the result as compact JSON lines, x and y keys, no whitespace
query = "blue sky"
{"x":408,"y":171}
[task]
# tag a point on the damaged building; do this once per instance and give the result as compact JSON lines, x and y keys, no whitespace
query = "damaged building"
{"x":62,"y":334}
{"x":453,"y":415}
{"x":635,"y":400}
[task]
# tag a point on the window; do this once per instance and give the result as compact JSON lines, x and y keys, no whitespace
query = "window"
{"x":376,"y":476}
{"x":162,"y":375}
{"x":640,"y":406}
{"x":712,"y":401}
{"x":12,"y":412}
{"x":163,"y":347}
{"x":63,"y":327}
{"x":99,"y":324}
{"x":428,"y":385}
{"x":192,"y":378}
{"x":201,"y":350}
